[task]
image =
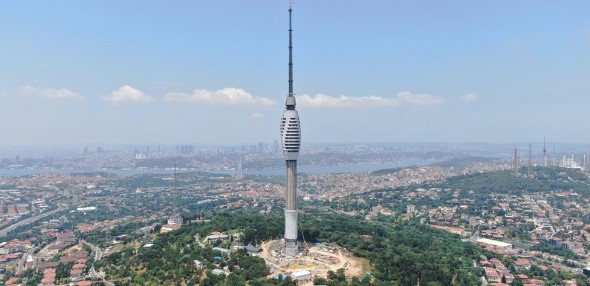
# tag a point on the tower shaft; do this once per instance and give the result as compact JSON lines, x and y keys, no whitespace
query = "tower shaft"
{"x":291,"y":212}
{"x":291,"y":195}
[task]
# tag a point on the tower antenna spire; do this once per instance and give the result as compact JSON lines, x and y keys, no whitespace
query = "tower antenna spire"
{"x":290,"y":53}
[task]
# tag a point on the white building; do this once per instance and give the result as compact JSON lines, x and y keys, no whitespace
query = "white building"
{"x":198,"y":264}
{"x":222,"y":250}
{"x":301,"y":275}
{"x":495,"y":243}
{"x":175,"y":220}
{"x":217,"y":237}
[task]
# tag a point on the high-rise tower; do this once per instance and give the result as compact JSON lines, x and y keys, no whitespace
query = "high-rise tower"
{"x":291,"y":140}
{"x":544,"y":153}
{"x":240,"y":174}
{"x":515,"y":162}
{"x":529,"y":169}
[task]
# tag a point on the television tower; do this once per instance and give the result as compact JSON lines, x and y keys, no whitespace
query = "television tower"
{"x":529,"y":170}
{"x":176,"y":196}
{"x":515,"y":162}
{"x":291,"y":140}
{"x":240,"y":174}
{"x":544,"y":153}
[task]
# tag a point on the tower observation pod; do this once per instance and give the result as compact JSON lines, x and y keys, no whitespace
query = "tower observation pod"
{"x":291,"y":141}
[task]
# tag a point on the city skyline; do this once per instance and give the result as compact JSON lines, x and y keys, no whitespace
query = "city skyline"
{"x":154,"y":72}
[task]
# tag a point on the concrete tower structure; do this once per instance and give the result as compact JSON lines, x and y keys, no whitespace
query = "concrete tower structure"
{"x":529,"y":169}
{"x":544,"y":153}
{"x":291,"y":140}
{"x":240,"y":174}
{"x":515,"y":162}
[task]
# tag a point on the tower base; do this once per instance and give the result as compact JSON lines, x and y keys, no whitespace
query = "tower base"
{"x":291,"y":247}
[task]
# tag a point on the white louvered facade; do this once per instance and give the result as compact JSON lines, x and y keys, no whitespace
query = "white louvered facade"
{"x":290,"y":134}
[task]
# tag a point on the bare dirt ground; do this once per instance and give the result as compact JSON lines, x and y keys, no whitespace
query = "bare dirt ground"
{"x":316,"y":259}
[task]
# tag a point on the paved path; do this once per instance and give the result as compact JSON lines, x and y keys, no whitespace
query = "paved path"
{"x":95,"y":249}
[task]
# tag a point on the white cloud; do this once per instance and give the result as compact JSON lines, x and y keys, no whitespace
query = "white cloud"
{"x":404,"y":97}
{"x":257,"y":115}
{"x":327,"y":101}
{"x":470,"y":97}
{"x":419,"y":99}
{"x":51,"y":93}
{"x":225,"y":96}
{"x":127,"y":94}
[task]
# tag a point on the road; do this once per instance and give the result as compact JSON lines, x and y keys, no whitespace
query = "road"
{"x":198,"y":240}
{"x":95,"y":275}
{"x":97,"y":256}
{"x":20,"y":267}
{"x":95,"y":249}
{"x":10,"y":228}
{"x":548,"y":258}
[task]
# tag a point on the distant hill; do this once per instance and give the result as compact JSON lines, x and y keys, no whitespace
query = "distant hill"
{"x":541,"y":179}
{"x":386,"y":171}
{"x":460,"y":164}
{"x":464,"y":162}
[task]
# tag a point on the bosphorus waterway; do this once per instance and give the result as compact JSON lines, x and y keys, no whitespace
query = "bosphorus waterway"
{"x":327,"y":169}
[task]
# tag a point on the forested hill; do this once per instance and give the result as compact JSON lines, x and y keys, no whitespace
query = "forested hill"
{"x":464,"y":162}
{"x":459,"y":164}
{"x":537,"y":180}
{"x":400,"y":253}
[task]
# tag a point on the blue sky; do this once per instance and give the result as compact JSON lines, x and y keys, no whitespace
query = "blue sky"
{"x":84,"y":72}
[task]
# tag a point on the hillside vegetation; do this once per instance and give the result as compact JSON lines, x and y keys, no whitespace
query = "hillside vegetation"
{"x":540,"y":179}
{"x":400,"y":253}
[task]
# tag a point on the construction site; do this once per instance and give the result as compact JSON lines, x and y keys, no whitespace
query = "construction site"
{"x":315,"y":260}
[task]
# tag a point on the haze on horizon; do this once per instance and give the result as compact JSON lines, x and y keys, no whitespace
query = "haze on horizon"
{"x":216,"y":71}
